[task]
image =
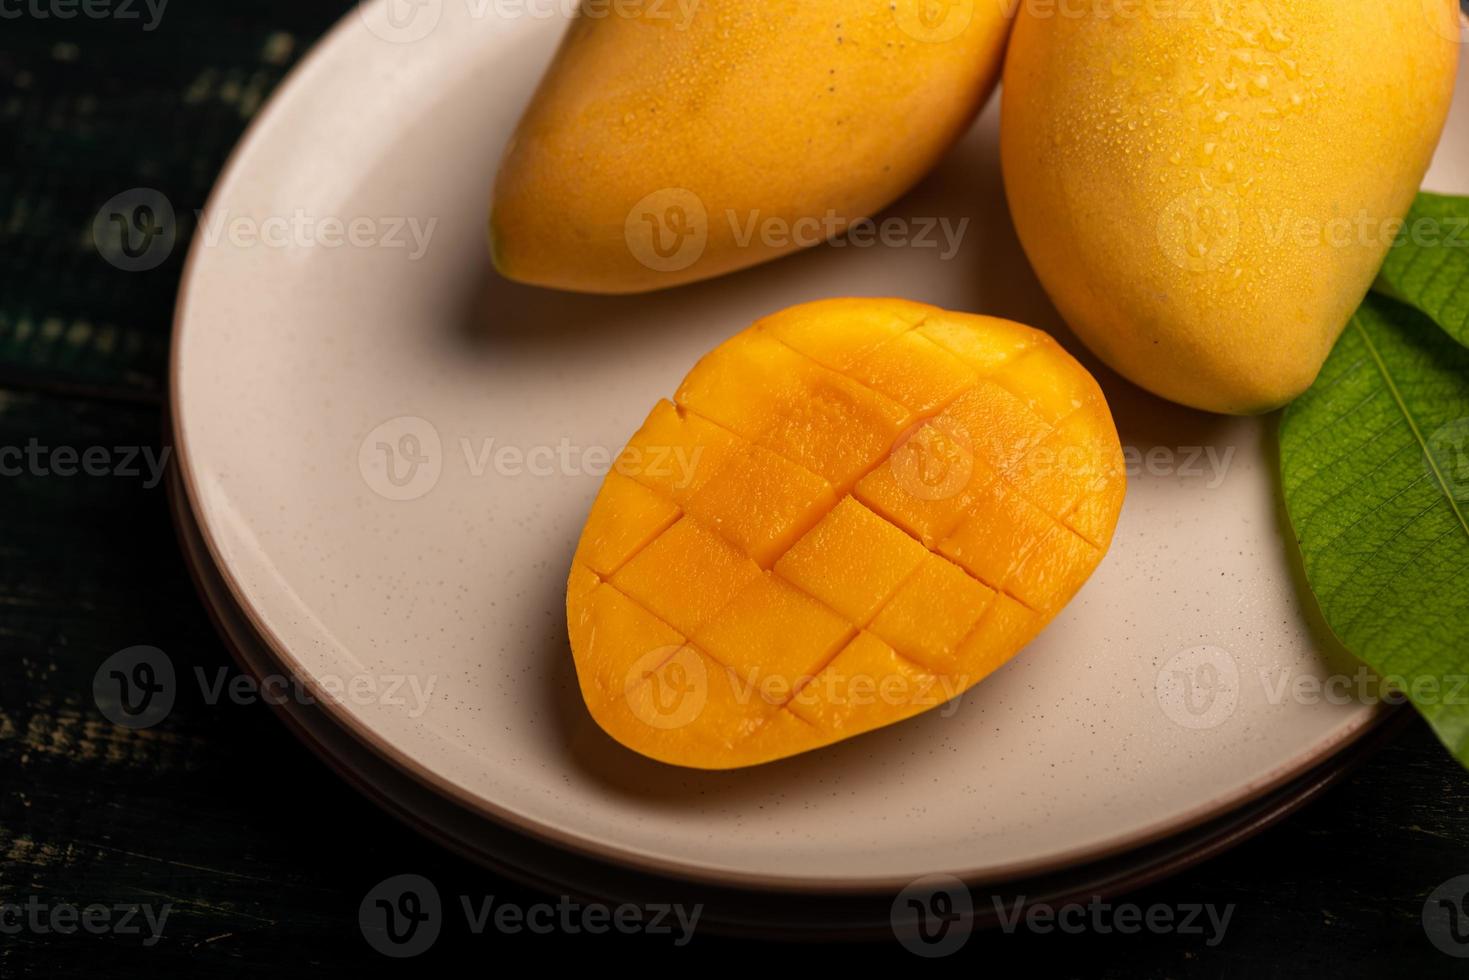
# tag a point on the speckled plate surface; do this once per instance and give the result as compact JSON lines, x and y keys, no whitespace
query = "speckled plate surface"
{"x":390,"y":451}
{"x":735,"y":911}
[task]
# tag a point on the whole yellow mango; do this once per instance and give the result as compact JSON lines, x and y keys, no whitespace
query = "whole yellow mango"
{"x":1207,"y":188}
{"x":850,"y":513}
{"x":675,"y":140}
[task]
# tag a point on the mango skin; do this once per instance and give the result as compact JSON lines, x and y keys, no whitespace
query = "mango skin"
{"x":779,"y":111}
{"x":850,"y":513}
{"x":1208,"y":198}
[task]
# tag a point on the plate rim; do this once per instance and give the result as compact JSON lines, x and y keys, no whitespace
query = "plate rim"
{"x":1231,"y":829}
{"x":281,"y":99}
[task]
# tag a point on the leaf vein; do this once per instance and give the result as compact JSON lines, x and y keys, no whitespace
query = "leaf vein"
{"x":1428,"y":454}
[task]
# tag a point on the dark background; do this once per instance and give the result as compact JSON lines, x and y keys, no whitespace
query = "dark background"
{"x":263,"y":854}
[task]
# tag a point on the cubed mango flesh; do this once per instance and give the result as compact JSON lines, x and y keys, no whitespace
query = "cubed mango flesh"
{"x":872,"y":506}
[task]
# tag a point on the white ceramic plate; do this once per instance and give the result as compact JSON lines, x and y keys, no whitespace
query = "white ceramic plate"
{"x":1151,"y":704}
{"x":742,"y":912}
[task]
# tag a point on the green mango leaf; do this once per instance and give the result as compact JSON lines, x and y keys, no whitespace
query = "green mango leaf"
{"x":1375,"y":469}
{"x":1428,"y":266}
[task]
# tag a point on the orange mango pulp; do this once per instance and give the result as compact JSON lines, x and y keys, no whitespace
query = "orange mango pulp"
{"x":852,"y":512}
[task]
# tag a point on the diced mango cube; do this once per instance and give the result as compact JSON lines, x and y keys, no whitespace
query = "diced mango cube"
{"x":692,"y":710}
{"x":676,"y":452}
{"x":1094,"y":516}
{"x":985,"y":343}
{"x":853,"y":561}
{"x":615,"y":637}
{"x":773,"y":635}
{"x":836,"y":332}
{"x":625,"y":516}
{"x":999,"y":428}
{"x":1043,"y":579}
{"x":1000,"y":529}
{"x":928,"y":483}
{"x":1005,"y":627}
{"x":838,"y":429}
{"x":581,"y":581}
{"x":866,"y":686}
{"x":762,"y":502}
{"x":747,"y":384}
{"x":915,"y":372}
{"x":686,"y":575}
{"x":1067,"y":465}
{"x":931,"y":614}
{"x":1053,"y":393}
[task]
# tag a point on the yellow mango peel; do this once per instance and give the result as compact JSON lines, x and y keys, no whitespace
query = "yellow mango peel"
{"x":672,"y":143}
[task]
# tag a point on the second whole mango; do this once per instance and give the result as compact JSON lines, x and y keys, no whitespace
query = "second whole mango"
{"x":1207,"y":190}
{"x":671,"y":142}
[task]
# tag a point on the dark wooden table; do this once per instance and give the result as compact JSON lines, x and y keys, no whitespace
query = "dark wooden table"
{"x":219,"y":813}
